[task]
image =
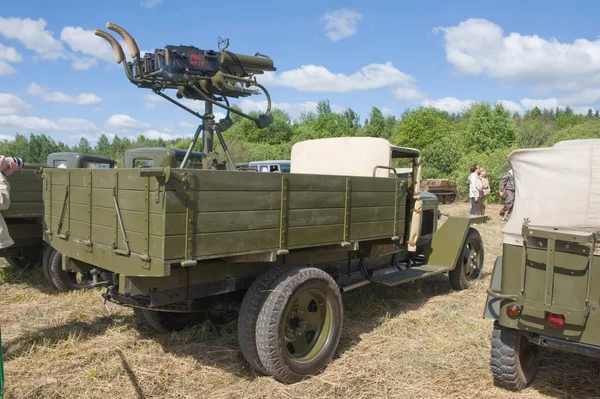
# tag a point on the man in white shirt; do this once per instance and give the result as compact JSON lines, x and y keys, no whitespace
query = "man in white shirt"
{"x":474,"y":187}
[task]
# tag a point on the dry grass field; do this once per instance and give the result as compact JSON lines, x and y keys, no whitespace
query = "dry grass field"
{"x":420,"y":340}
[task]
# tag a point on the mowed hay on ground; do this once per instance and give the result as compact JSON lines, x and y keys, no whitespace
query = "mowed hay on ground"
{"x":420,"y":340}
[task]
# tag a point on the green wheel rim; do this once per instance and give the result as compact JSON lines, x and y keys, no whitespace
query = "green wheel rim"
{"x":307,"y":325}
{"x":472,"y":260}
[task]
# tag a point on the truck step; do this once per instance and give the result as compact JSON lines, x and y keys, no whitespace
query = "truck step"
{"x":412,"y":274}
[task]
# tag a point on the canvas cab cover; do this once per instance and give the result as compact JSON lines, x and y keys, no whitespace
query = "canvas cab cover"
{"x":557,"y":187}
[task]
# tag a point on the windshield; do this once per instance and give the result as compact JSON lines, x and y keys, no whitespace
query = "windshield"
{"x":97,"y":165}
{"x":285,"y":168}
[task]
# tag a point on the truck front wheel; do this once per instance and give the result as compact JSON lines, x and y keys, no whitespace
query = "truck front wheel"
{"x":299,"y":325}
{"x":514,"y":359}
{"x":470,"y":262}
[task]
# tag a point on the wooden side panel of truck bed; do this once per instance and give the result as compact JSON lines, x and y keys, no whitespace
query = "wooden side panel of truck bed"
{"x":201,"y":215}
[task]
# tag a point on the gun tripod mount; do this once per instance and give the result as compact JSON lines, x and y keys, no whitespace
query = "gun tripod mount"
{"x":205,"y":75}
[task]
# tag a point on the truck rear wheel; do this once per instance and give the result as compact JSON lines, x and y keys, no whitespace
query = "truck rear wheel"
{"x":299,"y":325}
{"x":167,"y":322}
{"x":514,"y":359}
{"x":251,"y":305}
{"x":470,"y":262}
{"x":62,"y":279}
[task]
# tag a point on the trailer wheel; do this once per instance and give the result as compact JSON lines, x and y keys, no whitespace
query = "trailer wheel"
{"x":470,"y":262}
{"x":299,"y":325}
{"x":514,"y":360}
{"x":18,"y":262}
{"x":167,"y":322}
{"x":251,"y":305}
{"x":46,"y":256}
{"x":63,"y":280}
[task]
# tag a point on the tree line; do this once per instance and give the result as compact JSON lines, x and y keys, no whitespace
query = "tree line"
{"x":450,"y":142}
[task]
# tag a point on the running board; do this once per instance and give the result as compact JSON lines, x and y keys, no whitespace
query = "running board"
{"x":412,"y":274}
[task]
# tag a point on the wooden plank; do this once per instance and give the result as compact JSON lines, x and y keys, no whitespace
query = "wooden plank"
{"x":104,"y":236}
{"x":371,"y":230}
{"x":236,"y":181}
{"x":373,"y":214}
{"x":316,"y":199}
{"x":80,"y":213}
{"x":370,"y":184}
{"x":316,"y":183}
{"x":133,"y":221}
{"x":369,"y":199}
{"x":315,"y":235}
{"x":315,"y":217}
{"x":25,"y":185}
{"x":224,"y":201}
{"x":215,"y":222}
{"x":236,"y":242}
{"x":25,"y":196}
{"x":24,"y":209}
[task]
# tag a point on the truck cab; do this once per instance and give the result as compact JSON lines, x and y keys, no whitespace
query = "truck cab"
{"x":75,"y":160}
{"x":159,"y":157}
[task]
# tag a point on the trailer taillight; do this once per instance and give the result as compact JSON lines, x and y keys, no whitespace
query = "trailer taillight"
{"x":555,"y":320}
{"x":513,"y":310}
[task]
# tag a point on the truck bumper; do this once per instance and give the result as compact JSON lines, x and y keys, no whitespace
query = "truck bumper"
{"x":565,"y":346}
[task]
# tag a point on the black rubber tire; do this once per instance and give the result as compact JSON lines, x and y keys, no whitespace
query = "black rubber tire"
{"x":251,"y":305}
{"x":458,"y":279}
{"x":269,"y":329}
{"x":510,"y":350}
{"x":46,"y":256}
{"x":17,"y":262}
{"x":167,"y":322}
{"x":63,"y":280}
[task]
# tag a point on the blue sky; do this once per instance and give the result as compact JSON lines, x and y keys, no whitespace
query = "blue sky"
{"x":57,"y":78}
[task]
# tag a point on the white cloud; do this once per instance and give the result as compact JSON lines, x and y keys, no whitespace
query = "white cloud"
{"x":150,"y":3}
{"x":154,"y":134}
{"x":511,"y":106}
{"x":387,"y":111}
{"x":33,"y":35}
{"x":341,"y":24}
{"x":6,"y":69}
{"x":9,"y":54}
{"x":153,"y":99}
{"x":126,"y":122}
{"x":12,"y":105}
{"x":58,"y":97}
{"x":34,"y":124}
{"x":408,"y":94}
{"x":480,"y":47}
{"x":6,"y":137}
{"x":448,"y":104}
{"x":318,"y":79}
{"x":85,"y":42}
{"x":530,"y":103}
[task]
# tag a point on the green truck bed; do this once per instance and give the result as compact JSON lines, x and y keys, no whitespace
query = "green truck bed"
{"x":177,"y":216}
{"x":26,"y":200}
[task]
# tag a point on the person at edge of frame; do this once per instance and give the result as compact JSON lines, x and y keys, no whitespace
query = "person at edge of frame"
{"x":474,"y":187}
{"x":484,"y":192}
{"x":6,"y":169}
{"x":507,"y":191}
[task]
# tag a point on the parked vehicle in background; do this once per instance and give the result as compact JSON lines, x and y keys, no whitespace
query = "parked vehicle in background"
{"x":271,"y":166}
{"x":444,"y":189}
{"x":544,"y":293}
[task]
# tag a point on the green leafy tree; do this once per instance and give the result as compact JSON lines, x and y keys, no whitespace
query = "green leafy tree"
{"x":422,"y":127}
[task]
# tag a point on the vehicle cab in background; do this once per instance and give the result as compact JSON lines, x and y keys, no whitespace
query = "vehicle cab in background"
{"x":281,"y":166}
{"x":76,"y":160}
{"x":160,"y":157}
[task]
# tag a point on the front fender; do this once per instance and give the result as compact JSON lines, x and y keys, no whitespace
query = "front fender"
{"x":447,"y":242}
{"x":492,"y":304}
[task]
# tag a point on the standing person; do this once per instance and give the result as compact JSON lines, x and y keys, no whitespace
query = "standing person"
{"x":484,"y":193}
{"x":507,"y":191}
{"x":6,"y":169}
{"x":474,"y":187}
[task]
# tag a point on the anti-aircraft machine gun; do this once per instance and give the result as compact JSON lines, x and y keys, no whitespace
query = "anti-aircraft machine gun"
{"x":196,"y":74}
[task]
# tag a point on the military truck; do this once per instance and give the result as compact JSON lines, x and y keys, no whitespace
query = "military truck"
{"x":544,"y":290}
{"x":24,"y":217}
{"x":154,"y":157}
{"x":444,"y":189}
{"x":187,"y":245}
